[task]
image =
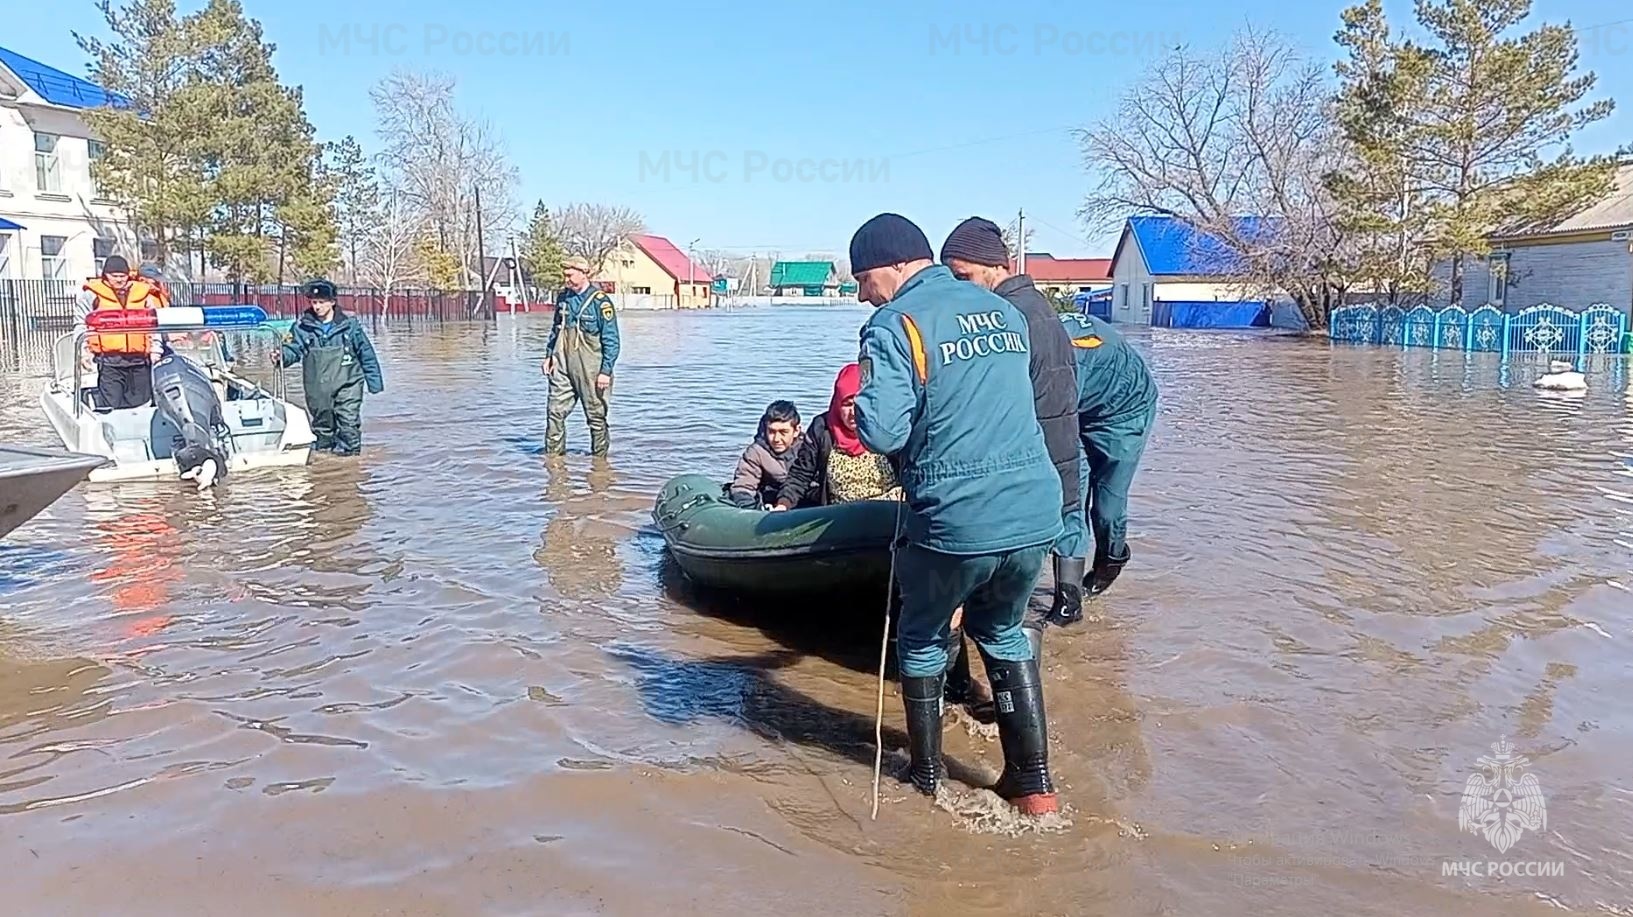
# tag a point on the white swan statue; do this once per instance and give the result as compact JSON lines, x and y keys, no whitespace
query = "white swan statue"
{"x":1562,"y":377}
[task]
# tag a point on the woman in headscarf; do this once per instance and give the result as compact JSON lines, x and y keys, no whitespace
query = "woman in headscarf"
{"x":832,"y":465}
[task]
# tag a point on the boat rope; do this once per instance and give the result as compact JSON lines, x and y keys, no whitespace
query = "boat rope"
{"x":884,"y":648}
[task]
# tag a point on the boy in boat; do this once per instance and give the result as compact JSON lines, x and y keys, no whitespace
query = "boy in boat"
{"x":338,"y":363}
{"x":764,"y":465}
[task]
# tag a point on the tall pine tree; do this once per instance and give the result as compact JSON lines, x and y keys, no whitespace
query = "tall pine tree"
{"x":357,"y":198}
{"x":541,"y":251}
{"x":1480,"y":123}
{"x":149,"y":164}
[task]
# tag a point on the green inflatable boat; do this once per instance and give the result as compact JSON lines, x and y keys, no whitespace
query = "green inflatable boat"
{"x":843,"y":548}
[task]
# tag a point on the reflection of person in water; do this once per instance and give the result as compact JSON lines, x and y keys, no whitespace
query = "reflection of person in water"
{"x":577,"y":549}
{"x":336,"y":509}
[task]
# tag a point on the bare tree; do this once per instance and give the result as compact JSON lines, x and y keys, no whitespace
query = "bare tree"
{"x":594,"y":231}
{"x":440,"y":157}
{"x":387,"y":257}
{"x":1239,"y":146}
{"x":712,"y":260}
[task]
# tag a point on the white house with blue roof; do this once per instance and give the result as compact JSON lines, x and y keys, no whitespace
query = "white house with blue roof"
{"x":53,"y":223}
{"x":1166,"y":272}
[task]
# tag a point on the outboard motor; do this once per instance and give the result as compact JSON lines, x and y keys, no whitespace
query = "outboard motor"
{"x":184,"y":394}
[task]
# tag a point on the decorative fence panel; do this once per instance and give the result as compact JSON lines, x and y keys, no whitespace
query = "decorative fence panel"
{"x":1547,"y":330}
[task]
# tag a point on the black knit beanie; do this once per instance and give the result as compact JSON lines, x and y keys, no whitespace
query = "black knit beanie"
{"x":888,"y":238}
{"x":978,"y":241}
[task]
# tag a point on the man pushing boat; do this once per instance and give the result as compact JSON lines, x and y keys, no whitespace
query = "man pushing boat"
{"x":947,"y":390}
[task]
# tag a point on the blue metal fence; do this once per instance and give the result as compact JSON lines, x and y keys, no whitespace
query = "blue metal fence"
{"x":1542,"y":329}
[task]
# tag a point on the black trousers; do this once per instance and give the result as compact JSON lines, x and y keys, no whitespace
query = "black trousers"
{"x":123,"y":382}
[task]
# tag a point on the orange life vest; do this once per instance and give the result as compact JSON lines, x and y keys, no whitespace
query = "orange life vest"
{"x":139,"y":295}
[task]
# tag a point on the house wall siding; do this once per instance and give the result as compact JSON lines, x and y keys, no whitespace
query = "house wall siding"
{"x":1574,"y":275}
{"x":1128,"y":281}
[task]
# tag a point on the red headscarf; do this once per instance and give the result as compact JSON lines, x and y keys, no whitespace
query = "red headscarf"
{"x":845,"y":388}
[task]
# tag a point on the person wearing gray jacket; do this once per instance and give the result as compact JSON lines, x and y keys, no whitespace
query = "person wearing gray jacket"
{"x":764,"y":465}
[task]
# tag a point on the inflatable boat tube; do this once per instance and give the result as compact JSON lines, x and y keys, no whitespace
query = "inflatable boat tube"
{"x":843,"y":548}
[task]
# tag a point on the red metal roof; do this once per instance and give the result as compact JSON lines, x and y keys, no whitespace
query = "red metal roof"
{"x":1068,"y":270}
{"x":673,"y":261}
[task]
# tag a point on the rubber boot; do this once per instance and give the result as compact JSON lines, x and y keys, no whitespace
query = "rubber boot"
{"x":922,"y":698}
{"x":1034,"y":636}
{"x":1068,"y":607}
{"x":1023,"y":731}
{"x":963,"y":688}
{"x":1105,"y":572}
{"x":959,"y":679}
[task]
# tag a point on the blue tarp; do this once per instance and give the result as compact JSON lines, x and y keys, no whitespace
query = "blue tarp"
{"x":1210,"y":315}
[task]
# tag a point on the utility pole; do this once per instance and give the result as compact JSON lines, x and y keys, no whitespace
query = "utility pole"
{"x":520,"y":274}
{"x":481,"y":255}
{"x":1020,"y":241}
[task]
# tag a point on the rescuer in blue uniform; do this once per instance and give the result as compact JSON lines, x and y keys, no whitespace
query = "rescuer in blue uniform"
{"x":1116,"y":408}
{"x":579,"y":358}
{"x":947,"y":391}
{"x":337,"y":364}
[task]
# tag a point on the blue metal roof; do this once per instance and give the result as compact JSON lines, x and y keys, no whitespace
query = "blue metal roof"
{"x":6,"y":225}
{"x":1172,"y":246}
{"x":57,"y":87}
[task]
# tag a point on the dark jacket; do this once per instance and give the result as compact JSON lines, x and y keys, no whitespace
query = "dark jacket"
{"x":1054,"y":381}
{"x":946,"y":389}
{"x":807,"y":482}
{"x":761,"y":473}
{"x":309,"y":333}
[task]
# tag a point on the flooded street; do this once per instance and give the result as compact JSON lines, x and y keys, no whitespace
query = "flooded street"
{"x":453,"y":678}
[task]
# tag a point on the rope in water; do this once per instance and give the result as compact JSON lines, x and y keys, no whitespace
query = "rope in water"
{"x":884,"y":649}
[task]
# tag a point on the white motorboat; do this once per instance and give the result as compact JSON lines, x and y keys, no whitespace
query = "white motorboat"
{"x":255,"y":428}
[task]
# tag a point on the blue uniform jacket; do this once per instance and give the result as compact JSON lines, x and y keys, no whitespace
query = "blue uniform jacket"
{"x":1112,"y":380}
{"x":947,"y":390}
{"x":309,"y":332}
{"x":592,"y":310}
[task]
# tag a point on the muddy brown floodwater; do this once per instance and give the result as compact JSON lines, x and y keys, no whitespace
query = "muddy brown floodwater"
{"x":451,"y":678}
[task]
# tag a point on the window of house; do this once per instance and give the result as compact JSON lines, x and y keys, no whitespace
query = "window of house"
{"x":101,"y":250}
{"x":53,"y":263}
{"x":47,"y":165}
{"x":5,"y":255}
{"x":1497,"y":278}
{"x":150,"y":251}
{"x":97,"y":149}
{"x":647,"y":291}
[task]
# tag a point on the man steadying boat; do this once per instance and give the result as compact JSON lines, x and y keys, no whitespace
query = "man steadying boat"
{"x":947,"y":390}
{"x":1114,"y":403}
{"x":975,"y":252}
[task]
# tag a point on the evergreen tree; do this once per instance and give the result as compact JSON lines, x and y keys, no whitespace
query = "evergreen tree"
{"x":1477,"y":121}
{"x":261,"y":155}
{"x":149,"y":166}
{"x":357,"y":198}
{"x":440,"y":267}
{"x":541,"y":251}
